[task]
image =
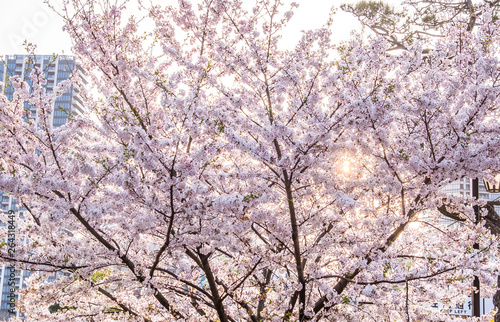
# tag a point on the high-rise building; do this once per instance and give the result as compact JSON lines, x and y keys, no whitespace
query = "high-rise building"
{"x":56,"y":69}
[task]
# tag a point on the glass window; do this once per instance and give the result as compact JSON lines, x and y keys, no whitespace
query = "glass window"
{"x":59,"y":121}
{"x":63,"y":75}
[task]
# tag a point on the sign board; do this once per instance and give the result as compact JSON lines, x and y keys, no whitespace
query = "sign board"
{"x":461,"y":308}
{"x":464,"y":308}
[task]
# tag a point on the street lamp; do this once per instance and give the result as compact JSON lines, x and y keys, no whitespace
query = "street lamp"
{"x":476,"y":297}
{"x":494,"y":187}
{"x":490,"y":187}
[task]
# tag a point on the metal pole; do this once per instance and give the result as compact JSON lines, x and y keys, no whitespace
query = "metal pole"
{"x":496,"y":301}
{"x":476,"y":298}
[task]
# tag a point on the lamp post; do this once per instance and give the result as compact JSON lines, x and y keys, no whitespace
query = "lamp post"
{"x":476,"y":298}
{"x":494,"y":187}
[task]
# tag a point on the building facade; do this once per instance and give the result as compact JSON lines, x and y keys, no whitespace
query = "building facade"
{"x":56,"y":69}
{"x":463,"y":187}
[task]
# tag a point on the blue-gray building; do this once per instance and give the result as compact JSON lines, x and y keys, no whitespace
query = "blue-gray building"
{"x":56,"y":69}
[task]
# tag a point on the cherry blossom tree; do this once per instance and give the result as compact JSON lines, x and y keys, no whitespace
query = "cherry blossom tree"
{"x":418,"y":19}
{"x":220,"y":177}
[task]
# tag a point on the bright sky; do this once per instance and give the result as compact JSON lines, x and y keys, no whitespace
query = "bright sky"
{"x":33,"y":21}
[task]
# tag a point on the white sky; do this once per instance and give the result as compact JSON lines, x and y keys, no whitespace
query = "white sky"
{"x":33,"y":21}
